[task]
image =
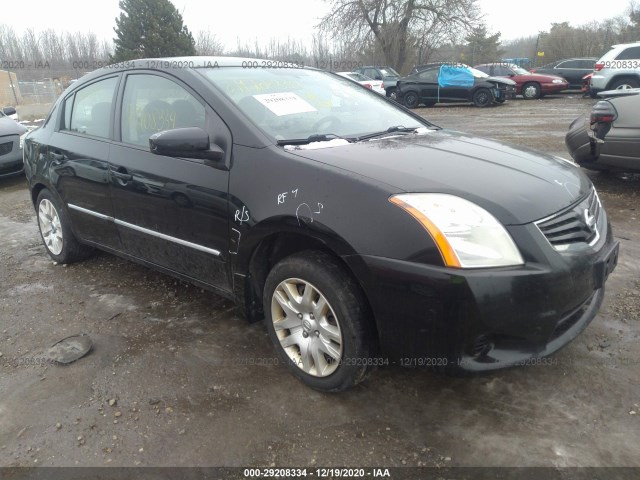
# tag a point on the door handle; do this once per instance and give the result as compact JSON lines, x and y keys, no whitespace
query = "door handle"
{"x":121,"y":174}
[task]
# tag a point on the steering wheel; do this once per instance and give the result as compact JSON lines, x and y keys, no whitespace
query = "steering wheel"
{"x":326,"y":124}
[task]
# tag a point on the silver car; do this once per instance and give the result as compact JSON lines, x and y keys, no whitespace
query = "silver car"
{"x":10,"y":143}
{"x":608,"y":138}
{"x":619,"y":68}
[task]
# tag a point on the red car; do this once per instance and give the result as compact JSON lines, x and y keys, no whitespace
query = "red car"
{"x":529,"y":85}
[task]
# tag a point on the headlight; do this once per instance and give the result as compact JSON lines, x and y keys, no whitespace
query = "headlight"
{"x":557,"y":80}
{"x":467,"y":235}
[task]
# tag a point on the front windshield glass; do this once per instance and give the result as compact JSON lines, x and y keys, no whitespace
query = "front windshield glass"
{"x":296,"y":103}
{"x":477,"y":73}
{"x":389,"y":72}
{"x":520,"y":71}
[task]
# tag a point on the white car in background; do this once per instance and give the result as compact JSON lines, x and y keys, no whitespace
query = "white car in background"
{"x":618,"y":69}
{"x":375,"y":85}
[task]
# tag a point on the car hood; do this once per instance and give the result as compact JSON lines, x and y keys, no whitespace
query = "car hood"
{"x":503,"y":80}
{"x":8,"y":126}
{"x":515,"y":184}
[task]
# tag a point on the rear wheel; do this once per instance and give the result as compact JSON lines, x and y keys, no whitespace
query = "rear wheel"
{"x":316,"y":316}
{"x":411,"y":100}
{"x":531,"y":91}
{"x":625,"y":84}
{"x":55,"y":231}
{"x":482,"y":97}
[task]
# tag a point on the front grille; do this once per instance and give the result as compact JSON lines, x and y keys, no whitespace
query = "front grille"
{"x":578,"y":224}
{"x":6,"y":148}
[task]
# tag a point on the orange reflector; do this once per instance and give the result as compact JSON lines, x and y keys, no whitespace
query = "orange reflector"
{"x":446,"y":251}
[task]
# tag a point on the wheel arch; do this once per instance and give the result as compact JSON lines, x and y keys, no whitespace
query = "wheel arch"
{"x":35,"y":191}
{"x":622,"y":76}
{"x":271,"y":245}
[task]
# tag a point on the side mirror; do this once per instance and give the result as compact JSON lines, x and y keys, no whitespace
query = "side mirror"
{"x":9,"y":111}
{"x":378,"y":77}
{"x":190,"y":142}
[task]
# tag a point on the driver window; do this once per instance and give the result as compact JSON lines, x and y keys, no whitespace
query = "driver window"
{"x":429,"y":75}
{"x":152,"y":104}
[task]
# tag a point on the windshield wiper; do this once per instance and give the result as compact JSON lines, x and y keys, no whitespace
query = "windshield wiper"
{"x":316,"y":137}
{"x":396,"y":128}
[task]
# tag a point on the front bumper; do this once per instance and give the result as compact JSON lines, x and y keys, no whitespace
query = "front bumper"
{"x":551,"y":88}
{"x":485,"y":319}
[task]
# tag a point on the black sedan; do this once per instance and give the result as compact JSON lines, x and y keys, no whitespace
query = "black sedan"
{"x":10,"y":143}
{"x":362,"y":233}
{"x":572,"y":70}
{"x":447,"y":83}
{"x":609,"y":137}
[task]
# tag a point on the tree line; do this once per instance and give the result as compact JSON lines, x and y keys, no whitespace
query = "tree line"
{"x":399,"y":33}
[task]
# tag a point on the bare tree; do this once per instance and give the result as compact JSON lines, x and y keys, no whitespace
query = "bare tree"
{"x":208,"y":44}
{"x":399,"y":26}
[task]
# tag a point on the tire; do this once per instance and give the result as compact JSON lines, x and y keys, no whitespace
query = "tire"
{"x":531,"y":91}
{"x":411,"y":99}
{"x":327,"y":347}
{"x":55,"y":231}
{"x":625,"y":83}
{"x":391,"y":92}
{"x":482,"y":97}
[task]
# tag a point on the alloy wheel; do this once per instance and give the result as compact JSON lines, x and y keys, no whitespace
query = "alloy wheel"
{"x":307,"y":327}
{"x":50,"y":227}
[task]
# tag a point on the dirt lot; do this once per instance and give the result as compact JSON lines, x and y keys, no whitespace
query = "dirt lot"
{"x":167,"y":381}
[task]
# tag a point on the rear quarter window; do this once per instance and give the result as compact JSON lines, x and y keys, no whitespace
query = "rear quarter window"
{"x":630,"y":53}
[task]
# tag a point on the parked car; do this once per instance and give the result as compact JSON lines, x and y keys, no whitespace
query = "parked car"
{"x":14,"y":115}
{"x":619,"y":68}
{"x":572,"y":70}
{"x":11,"y":134}
{"x":609,"y":137}
{"x":386,"y":74}
{"x":375,"y":85}
{"x":447,"y":83}
{"x":340,"y":217}
{"x":529,"y":85}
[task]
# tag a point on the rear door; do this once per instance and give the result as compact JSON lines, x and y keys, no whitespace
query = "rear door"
{"x":170,"y":212}
{"x":78,"y":155}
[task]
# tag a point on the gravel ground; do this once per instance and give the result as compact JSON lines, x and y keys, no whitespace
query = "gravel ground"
{"x":167,"y":382}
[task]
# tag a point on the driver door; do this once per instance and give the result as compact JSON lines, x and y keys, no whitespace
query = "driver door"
{"x":170,"y":212}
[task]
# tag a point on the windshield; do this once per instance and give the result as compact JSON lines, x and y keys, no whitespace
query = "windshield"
{"x":296,"y":103}
{"x":389,"y":72}
{"x":519,"y":70}
{"x":477,"y":73}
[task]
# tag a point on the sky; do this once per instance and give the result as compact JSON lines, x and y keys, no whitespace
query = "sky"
{"x":263,"y":20}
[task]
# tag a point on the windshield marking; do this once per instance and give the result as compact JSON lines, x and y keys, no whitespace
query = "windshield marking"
{"x":285,"y":103}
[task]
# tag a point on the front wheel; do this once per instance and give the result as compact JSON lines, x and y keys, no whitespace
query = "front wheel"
{"x":531,"y":91}
{"x":317,"y":318}
{"x":55,"y":230}
{"x":482,"y":97}
{"x":411,"y":100}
